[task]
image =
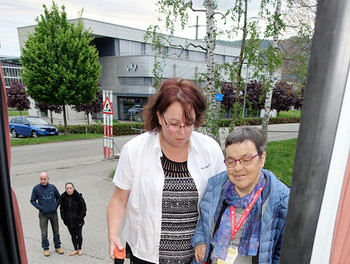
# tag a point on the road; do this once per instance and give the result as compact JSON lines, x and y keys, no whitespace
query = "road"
{"x":82,"y":163}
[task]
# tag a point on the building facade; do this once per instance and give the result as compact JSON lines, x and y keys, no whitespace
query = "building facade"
{"x":12,"y":70}
{"x":127,"y":61}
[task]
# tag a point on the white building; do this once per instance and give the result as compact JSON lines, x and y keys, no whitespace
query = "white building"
{"x":127,"y":61}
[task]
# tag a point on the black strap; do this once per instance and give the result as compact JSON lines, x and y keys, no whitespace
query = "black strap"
{"x":255,"y":259}
{"x":217,"y":224}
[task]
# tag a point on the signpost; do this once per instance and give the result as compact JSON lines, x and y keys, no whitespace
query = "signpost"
{"x":108,"y":140}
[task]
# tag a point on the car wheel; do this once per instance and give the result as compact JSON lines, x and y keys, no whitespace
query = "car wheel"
{"x":34,"y":134}
{"x":14,"y":133}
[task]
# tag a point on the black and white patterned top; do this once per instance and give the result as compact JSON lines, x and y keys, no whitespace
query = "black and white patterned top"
{"x":179,"y":213}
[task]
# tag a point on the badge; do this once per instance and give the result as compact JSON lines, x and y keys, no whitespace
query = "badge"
{"x":230,"y":258}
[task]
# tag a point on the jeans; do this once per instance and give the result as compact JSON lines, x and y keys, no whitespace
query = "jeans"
{"x":43,"y":221}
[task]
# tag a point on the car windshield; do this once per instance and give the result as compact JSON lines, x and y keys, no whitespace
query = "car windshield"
{"x":37,"y":121}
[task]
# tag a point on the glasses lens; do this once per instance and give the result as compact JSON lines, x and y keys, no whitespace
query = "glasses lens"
{"x":230,"y":163}
{"x":173,"y":127}
{"x":178,"y":127}
{"x":245,"y":161}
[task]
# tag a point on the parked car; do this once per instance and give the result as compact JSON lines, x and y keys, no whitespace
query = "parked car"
{"x":31,"y":127}
{"x":134,"y":110}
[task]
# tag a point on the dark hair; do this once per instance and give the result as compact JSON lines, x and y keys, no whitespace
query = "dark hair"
{"x":253,"y":134}
{"x":69,"y":183}
{"x":186,"y":92}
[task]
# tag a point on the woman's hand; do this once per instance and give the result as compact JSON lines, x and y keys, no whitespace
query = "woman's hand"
{"x":115,"y":216}
{"x":114,"y":242}
{"x":199,"y":252}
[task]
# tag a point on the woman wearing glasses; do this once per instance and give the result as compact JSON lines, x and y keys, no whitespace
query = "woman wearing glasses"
{"x":243,"y":210}
{"x":161,"y":177}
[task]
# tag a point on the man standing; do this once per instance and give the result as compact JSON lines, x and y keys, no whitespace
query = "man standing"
{"x":46,"y":198}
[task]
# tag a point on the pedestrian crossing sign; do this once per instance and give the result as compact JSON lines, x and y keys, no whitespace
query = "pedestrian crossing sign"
{"x":107,"y":107}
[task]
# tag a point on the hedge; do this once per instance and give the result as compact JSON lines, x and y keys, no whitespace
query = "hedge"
{"x":258,"y":121}
{"x":125,"y":128}
{"x":118,"y":129}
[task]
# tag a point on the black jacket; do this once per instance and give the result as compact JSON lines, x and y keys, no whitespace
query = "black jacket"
{"x":73,"y":209}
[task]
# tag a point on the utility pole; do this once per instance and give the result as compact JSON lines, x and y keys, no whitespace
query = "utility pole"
{"x":197,"y":26}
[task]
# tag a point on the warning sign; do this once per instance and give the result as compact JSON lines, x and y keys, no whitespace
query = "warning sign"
{"x":107,"y":107}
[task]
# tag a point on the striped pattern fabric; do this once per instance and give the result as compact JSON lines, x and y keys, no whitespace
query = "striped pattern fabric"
{"x":179,"y":214}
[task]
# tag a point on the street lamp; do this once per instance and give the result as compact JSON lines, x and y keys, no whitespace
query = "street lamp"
{"x":245,"y":91}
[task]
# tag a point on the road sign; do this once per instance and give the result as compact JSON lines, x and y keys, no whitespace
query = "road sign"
{"x":107,"y":107}
{"x":219,"y":97}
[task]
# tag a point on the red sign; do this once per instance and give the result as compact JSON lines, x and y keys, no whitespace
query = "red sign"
{"x":107,"y":107}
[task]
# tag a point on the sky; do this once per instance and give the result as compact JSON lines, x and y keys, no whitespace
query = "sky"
{"x":133,"y":13}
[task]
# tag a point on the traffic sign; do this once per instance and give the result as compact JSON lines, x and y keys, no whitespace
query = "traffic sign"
{"x":219,"y":97}
{"x":107,"y":107}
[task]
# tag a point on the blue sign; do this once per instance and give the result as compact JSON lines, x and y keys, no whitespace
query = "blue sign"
{"x":219,"y":97}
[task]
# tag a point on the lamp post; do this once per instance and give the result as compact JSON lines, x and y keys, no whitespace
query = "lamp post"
{"x":245,"y":91}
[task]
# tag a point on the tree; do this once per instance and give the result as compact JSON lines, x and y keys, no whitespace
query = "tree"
{"x":60,"y":65}
{"x":255,"y":95}
{"x":17,"y":97}
{"x":251,"y":51}
{"x":44,"y":107}
{"x":300,"y":21}
{"x":93,"y":107}
{"x":179,"y":10}
{"x":272,"y":66}
{"x":299,"y":98}
{"x":229,"y":95}
{"x":283,"y":97}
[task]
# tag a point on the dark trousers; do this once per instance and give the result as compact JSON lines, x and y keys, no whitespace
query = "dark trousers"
{"x":77,"y":237}
{"x":133,"y":259}
{"x":43,"y":222}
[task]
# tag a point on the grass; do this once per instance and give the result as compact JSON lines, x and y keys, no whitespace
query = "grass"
{"x":17,"y":113}
{"x":49,"y":139}
{"x":280,"y":154}
{"x":290,"y":113}
{"x":280,"y":159}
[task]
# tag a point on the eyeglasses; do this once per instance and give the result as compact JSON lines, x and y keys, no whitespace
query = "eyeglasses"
{"x":174,"y":127}
{"x":246,"y":161}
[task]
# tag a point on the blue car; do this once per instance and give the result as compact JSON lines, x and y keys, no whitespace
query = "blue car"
{"x":31,"y":127}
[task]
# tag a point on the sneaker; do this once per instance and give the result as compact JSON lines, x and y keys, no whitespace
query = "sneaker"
{"x":59,"y":250}
{"x":80,"y":252}
{"x":46,"y":253}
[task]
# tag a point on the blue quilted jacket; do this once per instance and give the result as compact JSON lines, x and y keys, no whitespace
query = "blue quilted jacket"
{"x":272,"y":222}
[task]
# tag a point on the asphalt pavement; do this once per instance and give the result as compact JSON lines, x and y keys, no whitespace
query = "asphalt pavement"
{"x":81,"y":163}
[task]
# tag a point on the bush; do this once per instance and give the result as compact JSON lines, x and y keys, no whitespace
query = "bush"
{"x":258,"y":121}
{"x":120,"y":129}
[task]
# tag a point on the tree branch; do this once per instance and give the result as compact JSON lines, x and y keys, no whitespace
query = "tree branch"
{"x":184,"y":47}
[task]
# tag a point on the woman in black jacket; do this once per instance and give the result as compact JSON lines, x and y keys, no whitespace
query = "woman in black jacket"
{"x":73,"y":211}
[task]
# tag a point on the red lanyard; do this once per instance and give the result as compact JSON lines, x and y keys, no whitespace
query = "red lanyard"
{"x":234,"y":228}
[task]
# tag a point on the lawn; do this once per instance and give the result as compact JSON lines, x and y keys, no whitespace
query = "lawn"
{"x":12,"y":112}
{"x":280,"y":158}
{"x":290,"y":113}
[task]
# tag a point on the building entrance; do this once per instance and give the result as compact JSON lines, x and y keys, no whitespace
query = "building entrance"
{"x":130,"y":108}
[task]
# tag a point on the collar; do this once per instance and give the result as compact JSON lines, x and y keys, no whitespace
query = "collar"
{"x":193,"y":145}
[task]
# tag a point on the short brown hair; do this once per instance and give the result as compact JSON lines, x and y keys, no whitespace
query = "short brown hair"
{"x":253,"y":134}
{"x":186,"y":92}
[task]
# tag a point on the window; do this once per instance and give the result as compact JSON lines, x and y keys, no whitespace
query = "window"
{"x":128,"y":47}
{"x":143,"y":48}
